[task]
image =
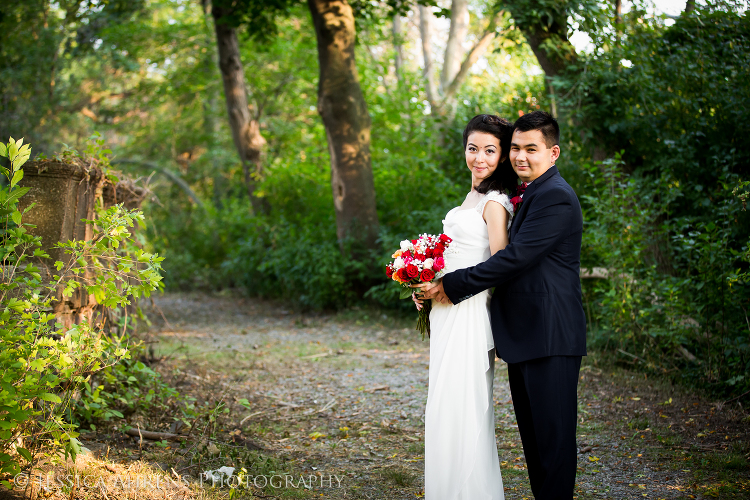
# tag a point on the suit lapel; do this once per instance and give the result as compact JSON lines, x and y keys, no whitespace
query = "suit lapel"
{"x":526,"y":195}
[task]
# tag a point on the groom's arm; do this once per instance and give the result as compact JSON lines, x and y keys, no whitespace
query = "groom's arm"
{"x":546,"y":225}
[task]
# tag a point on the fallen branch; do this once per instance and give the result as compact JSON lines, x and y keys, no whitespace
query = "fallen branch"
{"x":738,"y":397}
{"x":328,"y":405}
{"x":290,"y":405}
{"x":251,"y":416}
{"x":319,"y":355}
{"x":633,"y":356}
{"x":155,"y":436}
{"x":378,"y":388}
{"x":594,"y":272}
{"x":172,"y":176}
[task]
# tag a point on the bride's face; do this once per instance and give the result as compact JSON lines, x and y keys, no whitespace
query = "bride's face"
{"x":483,"y":154}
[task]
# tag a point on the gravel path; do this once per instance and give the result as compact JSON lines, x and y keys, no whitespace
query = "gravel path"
{"x":341,"y":398}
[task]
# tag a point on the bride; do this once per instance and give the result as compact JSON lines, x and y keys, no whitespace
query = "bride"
{"x":461,"y":459}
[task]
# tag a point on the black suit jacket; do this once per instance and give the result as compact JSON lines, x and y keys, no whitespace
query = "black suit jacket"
{"x":536,"y":310}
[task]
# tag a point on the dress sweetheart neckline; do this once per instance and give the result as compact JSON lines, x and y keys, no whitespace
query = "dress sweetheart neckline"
{"x":459,"y":209}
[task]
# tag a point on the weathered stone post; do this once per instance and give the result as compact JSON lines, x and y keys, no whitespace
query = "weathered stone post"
{"x":64,"y":194}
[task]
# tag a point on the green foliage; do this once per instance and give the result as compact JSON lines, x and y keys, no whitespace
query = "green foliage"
{"x":41,"y":45}
{"x":671,"y":98}
{"x":662,"y":217}
{"x":681,"y":308}
{"x":43,"y":364}
{"x":121,"y":389}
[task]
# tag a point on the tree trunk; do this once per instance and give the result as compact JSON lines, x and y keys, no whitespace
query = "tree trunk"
{"x":210,"y":113}
{"x":342,"y":107}
{"x":245,"y":128}
{"x":689,"y":6}
{"x":618,"y":21}
{"x":454,"y":50}
{"x":553,"y":62}
{"x":472,"y":57}
{"x":425,"y":30}
{"x":398,"y":45}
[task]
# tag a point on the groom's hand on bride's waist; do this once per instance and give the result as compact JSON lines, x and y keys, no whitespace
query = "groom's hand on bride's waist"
{"x":434,"y":290}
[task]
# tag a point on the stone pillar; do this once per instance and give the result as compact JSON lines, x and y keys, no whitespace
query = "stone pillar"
{"x":64,"y":194}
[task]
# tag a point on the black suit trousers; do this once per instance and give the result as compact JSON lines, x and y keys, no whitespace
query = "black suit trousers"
{"x":545,"y":399}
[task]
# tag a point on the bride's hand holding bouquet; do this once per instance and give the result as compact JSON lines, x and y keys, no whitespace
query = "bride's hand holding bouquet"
{"x":416,"y":263}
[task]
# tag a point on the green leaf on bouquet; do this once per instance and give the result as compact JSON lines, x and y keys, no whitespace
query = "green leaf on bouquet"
{"x":405,"y":292}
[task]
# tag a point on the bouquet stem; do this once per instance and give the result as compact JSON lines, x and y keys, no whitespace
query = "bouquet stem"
{"x":423,"y":319}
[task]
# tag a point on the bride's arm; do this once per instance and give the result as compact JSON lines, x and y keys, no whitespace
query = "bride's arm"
{"x":496,"y":217}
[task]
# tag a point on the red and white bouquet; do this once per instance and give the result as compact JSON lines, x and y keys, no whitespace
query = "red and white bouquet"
{"x":419,"y":261}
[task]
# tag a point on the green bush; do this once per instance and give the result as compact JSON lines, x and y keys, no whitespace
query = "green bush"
{"x":43,"y":365}
{"x":685,"y":315}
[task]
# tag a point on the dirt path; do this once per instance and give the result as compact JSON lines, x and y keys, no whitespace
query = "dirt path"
{"x":340,"y":399}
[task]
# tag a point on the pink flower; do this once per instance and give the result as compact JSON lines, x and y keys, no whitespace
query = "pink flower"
{"x":438,"y":264}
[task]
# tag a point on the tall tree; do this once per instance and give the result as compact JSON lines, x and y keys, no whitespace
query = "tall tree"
{"x":454,"y":49}
{"x":546,"y":30}
{"x":342,"y":107}
{"x":245,"y":125}
{"x":398,"y":44}
{"x":457,"y":62}
{"x":425,"y":31}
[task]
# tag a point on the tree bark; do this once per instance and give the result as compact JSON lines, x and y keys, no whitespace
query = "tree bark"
{"x":425,"y":30}
{"x":342,"y":107}
{"x":398,"y":45}
{"x":454,"y":50}
{"x":245,"y":127}
{"x":689,"y":6}
{"x":552,"y":62}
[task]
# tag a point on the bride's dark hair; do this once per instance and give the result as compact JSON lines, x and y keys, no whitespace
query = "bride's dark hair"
{"x":504,"y":177}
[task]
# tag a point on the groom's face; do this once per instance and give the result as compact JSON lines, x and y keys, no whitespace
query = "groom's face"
{"x":530,"y":155}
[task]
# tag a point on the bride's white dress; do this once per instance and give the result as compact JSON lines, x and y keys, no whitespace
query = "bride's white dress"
{"x":461,"y":459}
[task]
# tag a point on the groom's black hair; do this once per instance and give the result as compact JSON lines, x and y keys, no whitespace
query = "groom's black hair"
{"x":543,"y":122}
{"x":504,"y":177}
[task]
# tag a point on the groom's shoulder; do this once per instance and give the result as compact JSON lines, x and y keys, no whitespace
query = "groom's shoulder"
{"x":557,"y":184}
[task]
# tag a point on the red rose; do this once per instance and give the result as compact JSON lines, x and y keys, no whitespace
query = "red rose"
{"x":419,"y":256}
{"x":406,"y":254}
{"x":445,"y":238}
{"x":389,"y":271}
{"x":402,"y":276}
{"x":412,"y":271}
{"x":439,"y":249}
{"x":438,"y":264}
{"x":429,"y":253}
{"x":413,"y":242}
{"x":427,"y":275}
{"x":516,"y":201}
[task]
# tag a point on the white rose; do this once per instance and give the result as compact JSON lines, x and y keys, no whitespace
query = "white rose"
{"x":398,"y":263}
{"x":428,"y":263}
{"x":406,"y":245}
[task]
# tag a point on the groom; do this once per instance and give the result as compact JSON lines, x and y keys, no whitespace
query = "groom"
{"x":537,"y":316}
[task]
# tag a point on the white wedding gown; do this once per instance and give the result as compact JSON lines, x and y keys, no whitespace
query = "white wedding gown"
{"x":461,"y":459}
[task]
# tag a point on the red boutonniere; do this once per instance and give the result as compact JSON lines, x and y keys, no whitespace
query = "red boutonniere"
{"x":518,"y":198}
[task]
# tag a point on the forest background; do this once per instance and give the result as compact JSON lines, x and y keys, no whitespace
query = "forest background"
{"x":219,"y":110}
